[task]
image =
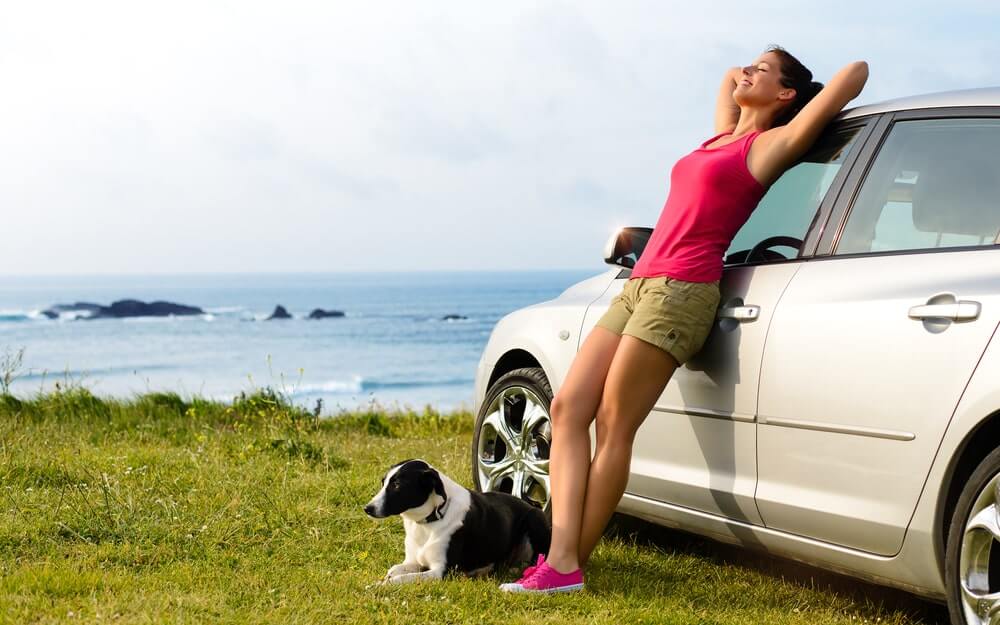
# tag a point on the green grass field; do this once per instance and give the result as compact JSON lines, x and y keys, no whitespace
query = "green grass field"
{"x":159,"y":510}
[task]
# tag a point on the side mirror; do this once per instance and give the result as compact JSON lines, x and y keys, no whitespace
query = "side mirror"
{"x":625,"y":246}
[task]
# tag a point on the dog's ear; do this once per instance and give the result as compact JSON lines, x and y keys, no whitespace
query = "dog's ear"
{"x":431,"y":479}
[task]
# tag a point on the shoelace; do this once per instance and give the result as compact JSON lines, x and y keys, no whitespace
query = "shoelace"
{"x":530,"y":571}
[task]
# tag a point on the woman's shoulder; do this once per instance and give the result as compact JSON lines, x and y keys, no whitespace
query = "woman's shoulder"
{"x":769,"y":134}
{"x":767,"y":159}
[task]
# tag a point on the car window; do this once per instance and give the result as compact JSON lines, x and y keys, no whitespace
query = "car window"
{"x":790,"y":204}
{"x":935,"y":183}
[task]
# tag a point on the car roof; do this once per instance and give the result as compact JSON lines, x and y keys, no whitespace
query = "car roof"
{"x":985,"y":96}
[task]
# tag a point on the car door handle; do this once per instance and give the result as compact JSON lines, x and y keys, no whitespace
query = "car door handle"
{"x":740,"y":313}
{"x":958,"y":311}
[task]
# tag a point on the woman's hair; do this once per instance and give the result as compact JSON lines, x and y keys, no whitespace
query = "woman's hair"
{"x":796,"y":76}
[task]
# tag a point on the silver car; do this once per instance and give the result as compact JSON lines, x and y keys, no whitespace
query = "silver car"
{"x":845,"y":409}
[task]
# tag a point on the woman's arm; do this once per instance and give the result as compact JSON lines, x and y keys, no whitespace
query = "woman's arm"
{"x":778,"y":148}
{"x":727,"y":112}
{"x":795,"y":137}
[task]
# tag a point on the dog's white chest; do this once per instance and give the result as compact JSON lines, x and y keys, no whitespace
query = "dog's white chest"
{"x":423,"y":543}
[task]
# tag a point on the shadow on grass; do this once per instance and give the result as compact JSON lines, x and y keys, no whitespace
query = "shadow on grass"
{"x":634,"y":530}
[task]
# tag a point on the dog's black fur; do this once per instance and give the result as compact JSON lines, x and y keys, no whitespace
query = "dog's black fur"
{"x":495,"y":526}
{"x":450,"y":528}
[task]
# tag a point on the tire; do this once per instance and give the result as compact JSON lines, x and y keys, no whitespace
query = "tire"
{"x":512,"y":437}
{"x":972,"y":553}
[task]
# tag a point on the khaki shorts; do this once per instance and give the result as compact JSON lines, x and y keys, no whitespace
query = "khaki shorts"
{"x":672,"y":314}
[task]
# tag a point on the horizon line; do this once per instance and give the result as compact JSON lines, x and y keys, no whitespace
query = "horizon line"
{"x":290,"y":272}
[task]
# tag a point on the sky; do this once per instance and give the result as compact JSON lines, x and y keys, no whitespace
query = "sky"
{"x":180,"y":137}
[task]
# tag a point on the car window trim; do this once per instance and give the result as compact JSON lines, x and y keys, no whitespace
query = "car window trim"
{"x":843,"y":206}
{"x":854,"y":172}
{"x":821,"y":219}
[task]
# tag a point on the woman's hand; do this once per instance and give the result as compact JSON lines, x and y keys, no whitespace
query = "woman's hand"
{"x":727,"y":112}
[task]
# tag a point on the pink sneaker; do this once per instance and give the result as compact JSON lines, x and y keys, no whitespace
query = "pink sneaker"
{"x":542,"y":578}
{"x":528,"y":572}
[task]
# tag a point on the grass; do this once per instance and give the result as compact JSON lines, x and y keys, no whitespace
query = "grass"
{"x":162,"y":510}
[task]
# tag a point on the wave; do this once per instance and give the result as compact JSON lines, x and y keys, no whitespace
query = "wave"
{"x":230,"y":312}
{"x":12,"y":316}
{"x":163,"y":319}
{"x":15,"y":316}
{"x":21,"y":315}
{"x":225,"y":310}
{"x":358,"y":384}
{"x":73,"y":374}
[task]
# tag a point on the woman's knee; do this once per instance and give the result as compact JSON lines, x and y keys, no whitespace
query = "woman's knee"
{"x":614,"y":426}
{"x":565,"y":413}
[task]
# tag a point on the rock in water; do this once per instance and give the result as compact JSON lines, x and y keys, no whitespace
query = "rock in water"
{"x":123,"y":308}
{"x":453,"y":317}
{"x":92,"y":310}
{"x":319,"y":313}
{"x":135,"y":308}
{"x":279,"y":313}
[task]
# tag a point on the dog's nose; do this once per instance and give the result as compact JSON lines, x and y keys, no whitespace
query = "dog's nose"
{"x":370,"y":510}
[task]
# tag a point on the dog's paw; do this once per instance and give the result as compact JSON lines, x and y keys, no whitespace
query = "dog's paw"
{"x":401,"y":569}
{"x":420,"y":576}
{"x":397,"y":569}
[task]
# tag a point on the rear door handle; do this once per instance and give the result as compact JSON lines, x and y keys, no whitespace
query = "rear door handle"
{"x":958,"y":311}
{"x":740,"y":313}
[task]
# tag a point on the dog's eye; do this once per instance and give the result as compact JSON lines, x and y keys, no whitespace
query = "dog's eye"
{"x":393,"y":485}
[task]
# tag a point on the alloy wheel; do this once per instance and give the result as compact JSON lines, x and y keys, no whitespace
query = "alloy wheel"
{"x":514,"y":441}
{"x":979,"y":559}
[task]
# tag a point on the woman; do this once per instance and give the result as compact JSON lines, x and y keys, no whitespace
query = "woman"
{"x":767,"y":115}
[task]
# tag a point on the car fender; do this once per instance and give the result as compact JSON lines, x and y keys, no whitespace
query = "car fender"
{"x":979,"y":401}
{"x":549,"y":331}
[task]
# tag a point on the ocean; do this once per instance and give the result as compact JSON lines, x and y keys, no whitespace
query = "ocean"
{"x":393,"y":347}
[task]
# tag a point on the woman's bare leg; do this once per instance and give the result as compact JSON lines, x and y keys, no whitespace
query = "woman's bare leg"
{"x":638,"y":374}
{"x":572,"y":410}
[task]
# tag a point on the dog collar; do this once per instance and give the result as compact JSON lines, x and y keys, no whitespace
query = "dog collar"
{"x":438,"y":513}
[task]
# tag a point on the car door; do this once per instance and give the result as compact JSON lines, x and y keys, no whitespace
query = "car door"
{"x":874,"y":340}
{"x":697,"y":448}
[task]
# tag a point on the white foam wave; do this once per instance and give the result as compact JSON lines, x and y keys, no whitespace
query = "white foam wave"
{"x":353,"y":385}
{"x":73,"y":315}
{"x":359,"y":384}
{"x":166,"y":318}
{"x":18,"y":314}
{"x":224,"y":310}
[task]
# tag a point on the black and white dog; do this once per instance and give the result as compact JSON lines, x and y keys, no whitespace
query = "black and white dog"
{"x":448,"y":527}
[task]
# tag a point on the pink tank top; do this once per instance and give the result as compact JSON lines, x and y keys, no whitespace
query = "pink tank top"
{"x":712,"y":194}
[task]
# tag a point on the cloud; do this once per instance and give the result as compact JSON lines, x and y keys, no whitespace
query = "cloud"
{"x":393,"y":136}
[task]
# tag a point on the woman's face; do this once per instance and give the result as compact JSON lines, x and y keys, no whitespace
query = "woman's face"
{"x":760,"y":83}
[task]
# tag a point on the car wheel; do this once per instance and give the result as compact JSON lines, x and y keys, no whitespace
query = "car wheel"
{"x":972,"y":556}
{"x":513,"y":435}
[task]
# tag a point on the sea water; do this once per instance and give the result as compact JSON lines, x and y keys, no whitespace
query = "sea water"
{"x":393,"y":347}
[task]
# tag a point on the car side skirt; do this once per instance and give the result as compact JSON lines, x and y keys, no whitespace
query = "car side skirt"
{"x":914,"y":569}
